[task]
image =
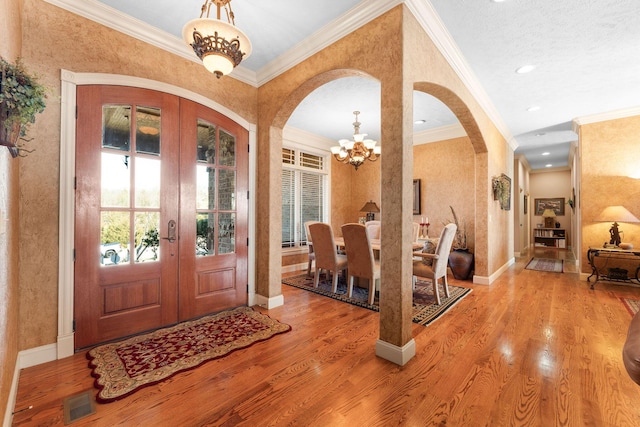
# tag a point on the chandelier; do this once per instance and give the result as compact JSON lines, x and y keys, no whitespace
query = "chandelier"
{"x":357,"y":151}
{"x":217,"y":43}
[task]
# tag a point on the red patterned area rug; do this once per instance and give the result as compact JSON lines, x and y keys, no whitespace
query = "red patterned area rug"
{"x":425,"y":309}
{"x":546,"y":264}
{"x":123,"y":367}
{"x":632,"y":305}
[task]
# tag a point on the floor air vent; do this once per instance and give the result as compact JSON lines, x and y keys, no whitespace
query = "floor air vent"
{"x":78,"y":406}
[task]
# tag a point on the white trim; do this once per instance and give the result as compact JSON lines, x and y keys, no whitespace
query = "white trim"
{"x":431,"y":23}
{"x":484,"y":280}
{"x":441,"y":133}
{"x":306,"y":140}
{"x":295,"y":267}
{"x":70,"y":81}
{"x":601,"y":117}
{"x":269,"y":303}
{"x":398,"y":355}
{"x":37,"y":356}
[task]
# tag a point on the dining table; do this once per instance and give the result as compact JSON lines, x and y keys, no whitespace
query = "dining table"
{"x":375,"y":243}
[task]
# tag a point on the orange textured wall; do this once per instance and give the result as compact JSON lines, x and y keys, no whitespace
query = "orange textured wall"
{"x":611,"y":150}
{"x":10,"y":45}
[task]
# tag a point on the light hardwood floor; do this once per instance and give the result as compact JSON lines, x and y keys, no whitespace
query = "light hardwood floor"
{"x":534,"y":348}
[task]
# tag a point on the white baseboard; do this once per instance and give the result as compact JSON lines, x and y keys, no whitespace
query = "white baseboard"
{"x":484,"y":280}
{"x":37,"y":356}
{"x":295,"y":267}
{"x":269,"y":303}
{"x":398,"y":355}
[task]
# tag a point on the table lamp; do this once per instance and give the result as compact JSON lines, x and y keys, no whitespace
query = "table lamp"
{"x":616,"y":214}
{"x":371,"y":209}
{"x":549,"y":218}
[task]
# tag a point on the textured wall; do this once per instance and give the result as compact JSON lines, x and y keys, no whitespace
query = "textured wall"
{"x":10,"y":44}
{"x":49,"y":46}
{"x":611,"y":150}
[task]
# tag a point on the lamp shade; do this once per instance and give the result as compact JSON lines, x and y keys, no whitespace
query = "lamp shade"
{"x":616,"y":214}
{"x":549,"y":213}
{"x":370,"y":206}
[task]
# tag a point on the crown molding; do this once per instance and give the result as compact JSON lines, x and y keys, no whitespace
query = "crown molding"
{"x":353,"y":19}
{"x":441,"y":133}
{"x":428,"y":18}
{"x":116,"y":20}
{"x":603,"y":117}
{"x":302,"y":137}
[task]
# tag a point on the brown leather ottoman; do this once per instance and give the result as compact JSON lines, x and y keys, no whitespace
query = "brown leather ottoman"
{"x":631,"y":349}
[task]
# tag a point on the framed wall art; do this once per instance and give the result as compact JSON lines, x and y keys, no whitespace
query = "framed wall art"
{"x":416,"y":197}
{"x":557,"y":204}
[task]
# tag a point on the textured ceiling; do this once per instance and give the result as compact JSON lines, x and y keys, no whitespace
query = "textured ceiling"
{"x":586,"y":55}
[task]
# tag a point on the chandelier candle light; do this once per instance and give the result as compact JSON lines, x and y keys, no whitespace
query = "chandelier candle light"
{"x":220,"y":45}
{"x":357,"y":151}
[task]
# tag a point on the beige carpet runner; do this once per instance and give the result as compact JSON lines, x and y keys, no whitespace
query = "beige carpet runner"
{"x":122,"y":368}
{"x":546,"y":264}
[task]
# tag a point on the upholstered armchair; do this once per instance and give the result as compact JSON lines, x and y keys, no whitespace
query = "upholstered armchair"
{"x":434,"y":266}
{"x":373,"y":228}
{"x":326,"y":253}
{"x":360,"y":259}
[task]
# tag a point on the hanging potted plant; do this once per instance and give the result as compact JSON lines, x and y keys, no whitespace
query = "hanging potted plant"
{"x":21,"y":98}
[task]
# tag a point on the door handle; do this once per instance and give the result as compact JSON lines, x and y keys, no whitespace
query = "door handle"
{"x":171,"y":232}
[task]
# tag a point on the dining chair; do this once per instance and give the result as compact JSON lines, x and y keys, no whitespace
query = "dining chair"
{"x":326,"y":253}
{"x":438,"y":267}
{"x":312,"y":255}
{"x":361,"y":262}
{"x":373,"y":228}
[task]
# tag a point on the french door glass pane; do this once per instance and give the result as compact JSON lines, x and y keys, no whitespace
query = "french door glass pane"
{"x":147,"y":182}
{"x":226,"y":233}
{"x":227,"y":149}
{"x":205,"y":187}
{"x":116,"y":126}
{"x":116,"y":180}
{"x":147,"y":243}
{"x":227,"y":190}
{"x":148,"y":130}
{"x":114,"y":237}
{"x":205,"y":234}
{"x":206,"y":140}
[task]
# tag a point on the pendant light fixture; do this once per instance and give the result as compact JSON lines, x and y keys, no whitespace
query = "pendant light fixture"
{"x":220,"y":45}
{"x":357,"y":151}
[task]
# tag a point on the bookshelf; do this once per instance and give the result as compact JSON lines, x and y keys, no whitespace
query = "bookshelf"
{"x":550,"y":238}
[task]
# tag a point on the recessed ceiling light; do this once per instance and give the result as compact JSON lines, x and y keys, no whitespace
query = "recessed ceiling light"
{"x":419,"y":122}
{"x":540,"y":134}
{"x":525,"y":69}
{"x":533,"y":108}
{"x":548,"y":165}
{"x":546,"y":153}
{"x":497,"y":1}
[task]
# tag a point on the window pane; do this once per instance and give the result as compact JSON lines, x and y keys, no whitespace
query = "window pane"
{"x":288,"y":156}
{"x":226,"y":233}
{"x":311,"y":161}
{"x":148,"y":130}
{"x":205,"y":187}
{"x":115,"y":180}
{"x":206,"y":140}
{"x":227,"y":190}
{"x":116,"y":127}
{"x":147,"y":183}
{"x":227,"y":149}
{"x":205,"y":234}
{"x":114,"y":237}
{"x":288,"y":208}
{"x":147,"y":247}
{"x":311,"y":200}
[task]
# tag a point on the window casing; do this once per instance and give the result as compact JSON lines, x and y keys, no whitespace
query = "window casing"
{"x":304,"y":194}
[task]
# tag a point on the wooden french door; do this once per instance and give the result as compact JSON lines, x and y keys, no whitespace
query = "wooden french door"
{"x":161,"y":212}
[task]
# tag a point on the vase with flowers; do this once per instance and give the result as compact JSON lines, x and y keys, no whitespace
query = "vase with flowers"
{"x":21,"y":98}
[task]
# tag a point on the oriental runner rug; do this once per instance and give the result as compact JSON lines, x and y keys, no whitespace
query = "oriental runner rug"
{"x":425,"y":309}
{"x":124,"y":367}
{"x":546,"y":264}
{"x":632,"y":305}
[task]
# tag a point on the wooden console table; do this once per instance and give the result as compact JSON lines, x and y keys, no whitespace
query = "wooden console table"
{"x":612,"y":274}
